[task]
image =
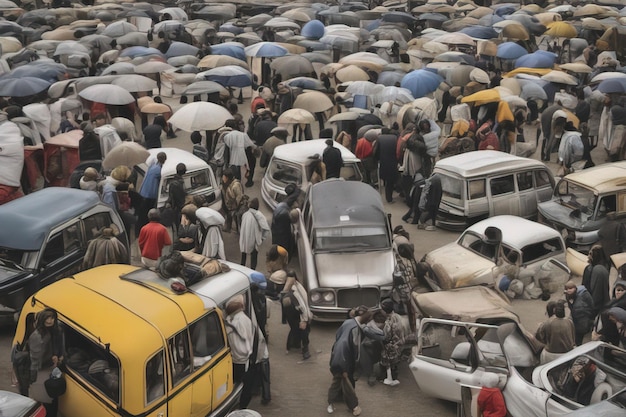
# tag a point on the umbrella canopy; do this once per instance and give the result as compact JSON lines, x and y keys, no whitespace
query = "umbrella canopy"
{"x":613,"y":86}
{"x":364,"y":88}
{"x":265,"y":50}
{"x":135,"y":51}
{"x":491,"y":95}
{"x":234,"y":49}
{"x":480,"y":32}
{"x":193,"y":116}
{"x":344,"y":116}
{"x":228,"y":76}
{"x":296,"y":116}
{"x":510,"y":50}
{"x":421,"y":82}
{"x":205,"y":87}
{"x":538,"y":59}
{"x":313,"y":29}
{"x":577,"y":67}
{"x":214,"y":61}
{"x":455,"y":56}
{"x":152,"y":67}
{"x":155,"y":108}
{"x":351,"y":73}
{"x":560,"y":77}
{"x":119,"y":28}
{"x":292,"y":66}
{"x":126,"y":153}
{"x":607,"y":76}
{"x":107,"y":94}
{"x":313,"y":101}
{"x":10,"y":44}
{"x":22,"y":87}
{"x":119,"y":68}
{"x":561,"y":29}
{"x":533,"y":91}
{"x":135,"y":83}
{"x":306,"y":83}
{"x":180,"y":48}
{"x":389,"y":78}
{"x":70,"y":47}
{"x":455,"y":38}
{"x":512,"y":30}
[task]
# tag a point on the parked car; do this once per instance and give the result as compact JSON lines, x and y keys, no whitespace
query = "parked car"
{"x":581,"y":202}
{"x":501,"y":244}
{"x":482,"y":184}
{"x":44,"y":237}
{"x":614,"y":406}
{"x":344,"y":247}
{"x":451,"y":354}
{"x":166,"y":355}
{"x":291,"y":162}
{"x":16,"y":405}
{"x":199,"y":179}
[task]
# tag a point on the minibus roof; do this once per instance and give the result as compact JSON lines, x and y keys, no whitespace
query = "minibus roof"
{"x":602,"y":178}
{"x":481,"y":163}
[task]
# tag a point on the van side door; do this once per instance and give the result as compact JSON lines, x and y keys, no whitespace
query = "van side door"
{"x":504,"y":199}
{"x":62,"y":254}
{"x":527,"y":194}
{"x":544,"y":185}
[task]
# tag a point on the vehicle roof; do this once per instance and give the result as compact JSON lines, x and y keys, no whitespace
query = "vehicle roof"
{"x":27,"y":220}
{"x":332,"y":199}
{"x":517,"y":232}
{"x":603,"y":178}
{"x":301,"y":151}
{"x":174,"y":157}
{"x":477,"y":163}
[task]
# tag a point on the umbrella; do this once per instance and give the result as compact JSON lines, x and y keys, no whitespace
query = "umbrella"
{"x":491,"y":95}
{"x":560,"y":77}
{"x":455,"y":38}
{"x":291,"y":66}
{"x":281,"y":23}
{"x":119,"y":68}
{"x":265,"y":50}
{"x":180,"y":48}
{"x":234,"y":49}
{"x":135,"y":83}
{"x":313,"y":29}
{"x":455,"y":56}
{"x":248,"y":38}
{"x":351,"y":73}
{"x":435,"y":17}
{"x":313,"y":101}
{"x":577,"y":67}
{"x":561,"y":29}
{"x":10,"y":44}
{"x":590,"y":10}
{"x":214,"y":61}
{"x":533,"y":91}
{"x":421,"y":82}
{"x":344,"y":41}
{"x":135,"y":51}
{"x":607,"y":76}
{"x":480,"y":32}
{"x":297,"y":15}
{"x":155,"y":108}
{"x":344,"y":116}
{"x":126,"y":153}
{"x":258,"y":20}
{"x":107,"y":94}
{"x":363,"y":88}
{"x":613,"y":86}
{"x":317,"y":57}
{"x":510,"y":50}
{"x":306,"y":83}
{"x":229,"y":27}
{"x":133,"y":39}
{"x":389,"y":78}
{"x":363,"y":57}
{"x":393,"y":94}
{"x":22,"y":87}
{"x":512,"y":30}
{"x":153,"y":67}
{"x":204,"y":87}
{"x":538,"y":59}
{"x":119,"y":28}
{"x":70,"y":47}
{"x":296,"y":116}
{"x":200,"y":115}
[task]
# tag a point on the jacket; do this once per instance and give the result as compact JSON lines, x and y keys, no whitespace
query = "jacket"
{"x":253,"y":231}
{"x":581,"y":308}
{"x":240,"y":336}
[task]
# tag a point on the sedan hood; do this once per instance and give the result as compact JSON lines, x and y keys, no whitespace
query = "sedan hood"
{"x":455,"y":266}
{"x":365,"y":269}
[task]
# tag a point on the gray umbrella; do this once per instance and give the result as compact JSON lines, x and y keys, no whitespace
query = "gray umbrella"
{"x":107,"y":94}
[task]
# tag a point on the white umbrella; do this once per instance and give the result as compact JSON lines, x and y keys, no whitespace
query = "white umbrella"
{"x":200,"y":116}
{"x":135,"y":83}
{"x":107,"y":94}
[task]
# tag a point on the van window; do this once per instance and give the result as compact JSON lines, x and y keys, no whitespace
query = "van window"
{"x":524,"y":181}
{"x":608,"y":203}
{"x":207,"y":337}
{"x":95,"y":223}
{"x":62,"y":243}
{"x":477,"y":189}
{"x":502,"y":185}
{"x":95,"y":364}
{"x":180,"y":356}
{"x":155,"y":378}
{"x":451,"y":188}
{"x":542,"y":178}
{"x":283,"y":173}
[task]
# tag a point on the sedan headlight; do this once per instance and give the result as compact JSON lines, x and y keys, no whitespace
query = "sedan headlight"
{"x":322,"y":297}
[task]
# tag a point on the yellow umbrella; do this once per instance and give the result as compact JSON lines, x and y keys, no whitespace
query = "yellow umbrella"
{"x":525,"y":70}
{"x":548,"y":17}
{"x":512,"y":30}
{"x":490,"y":95}
{"x":561,"y":30}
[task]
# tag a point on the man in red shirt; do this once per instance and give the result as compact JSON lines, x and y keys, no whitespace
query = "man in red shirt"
{"x":152,"y":238}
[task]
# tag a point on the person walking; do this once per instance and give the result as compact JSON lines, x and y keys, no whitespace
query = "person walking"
{"x":153,"y":237}
{"x":343,"y":359}
{"x":392,"y":344}
{"x":47,"y":350}
{"x":232,"y":194}
{"x":580,"y":304}
{"x":187,"y":232}
{"x":149,"y":190}
{"x":429,"y":202}
{"x":332,"y":159}
{"x":557,"y":333}
{"x":211,"y":240}
{"x":105,"y":249}
{"x":237,"y":142}
{"x":596,"y":279}
{"x":385,"y":154}
{"x":177,"y":194}
{"x":254,"y":231}
{"x":281,"y":221}
{"x":298,"y":315}
{"x":605,"y":329}
{"x":240,"y":333}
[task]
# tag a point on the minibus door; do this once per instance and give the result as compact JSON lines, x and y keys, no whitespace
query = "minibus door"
{"x":504,"y":199}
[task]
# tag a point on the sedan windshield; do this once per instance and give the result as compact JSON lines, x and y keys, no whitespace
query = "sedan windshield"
{"x":12,"y":258}
{"x":351,"y":238}
{"x":283,"y":173}
{"x":576,"y":197}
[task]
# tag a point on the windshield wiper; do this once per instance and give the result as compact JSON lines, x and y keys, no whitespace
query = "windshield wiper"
{"x":10,"y":264}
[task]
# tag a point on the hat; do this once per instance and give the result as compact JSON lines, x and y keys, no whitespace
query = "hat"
{"x":258,"y":279}
{"x":279,"y":277}
{"x":121,"y":173}
{"x":91,"y":174}
{"x":281,"y":251}
{"x":279,"y":129}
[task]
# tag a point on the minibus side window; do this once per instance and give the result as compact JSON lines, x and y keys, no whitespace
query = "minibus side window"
{"x":207,"y":338}
{"x":502,"y":185}
{"x":525,"y":180}
{"x":477,"y":189}
{"x":542,"y":178}
{"x":180,"y":356}
{"x":155,"y":382}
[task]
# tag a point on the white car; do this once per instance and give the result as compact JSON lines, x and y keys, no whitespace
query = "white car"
{"x":505,"y":244}
{"x":455,"y":354}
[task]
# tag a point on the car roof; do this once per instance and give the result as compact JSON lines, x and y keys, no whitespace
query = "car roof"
{"x":27,"y":220}
{"x":517,"y":232}
{"x":603,"y":178}
{"x":174,"y":157}
{"x":477,"y":163}
{"x":301,"y":151}
{"x":336,"y":202}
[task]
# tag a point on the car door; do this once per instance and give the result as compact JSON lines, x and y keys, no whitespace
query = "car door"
{"x":527,"y":194}
{"x":452,"y":353}
{"x":302,"y":230}
{"x":504,"y":199}
{"x":62,"y":254}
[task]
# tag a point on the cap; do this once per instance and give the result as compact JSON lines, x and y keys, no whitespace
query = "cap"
{"x":258,"y":279}
{"x":91,"y":174}
{"x":279,"y":277}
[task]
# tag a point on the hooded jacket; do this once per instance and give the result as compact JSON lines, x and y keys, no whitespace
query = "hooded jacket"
{"x":581,"y":308}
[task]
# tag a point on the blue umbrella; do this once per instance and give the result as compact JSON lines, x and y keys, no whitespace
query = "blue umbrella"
{"x":505,"y":9}
{"x":313,"y":45}
{"x":229,"y":48}
{"x":229,"y":27}
{"x":47,"y":71}
{"x":421,"y":82}
{"x":313,"y":29}
{"x":135,"y":51}
{"x":22,"y":87}
{"x":538,"y":59}
{"x":480,"y":32}
{"x":265,"y":50}
{"x":229,"y":76}
{"x":510,"y":50}
{"x":613,"y":86}
{"x":374,"y":24}
{"x":306,"y":83}
{"x":180,"y":49}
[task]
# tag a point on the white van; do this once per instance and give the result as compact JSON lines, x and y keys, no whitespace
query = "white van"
{"x":291,"y":162}
{"x":481,"y":184}
{"x":199,"y":179}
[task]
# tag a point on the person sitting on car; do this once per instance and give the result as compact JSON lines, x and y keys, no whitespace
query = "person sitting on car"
{"x":582,"y":379}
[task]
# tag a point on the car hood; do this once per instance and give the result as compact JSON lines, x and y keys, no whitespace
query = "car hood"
{"x":556,"y":212}
{"x":455,"y":266}
{"x":8,"y":275}
{"x":337,"y":270}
